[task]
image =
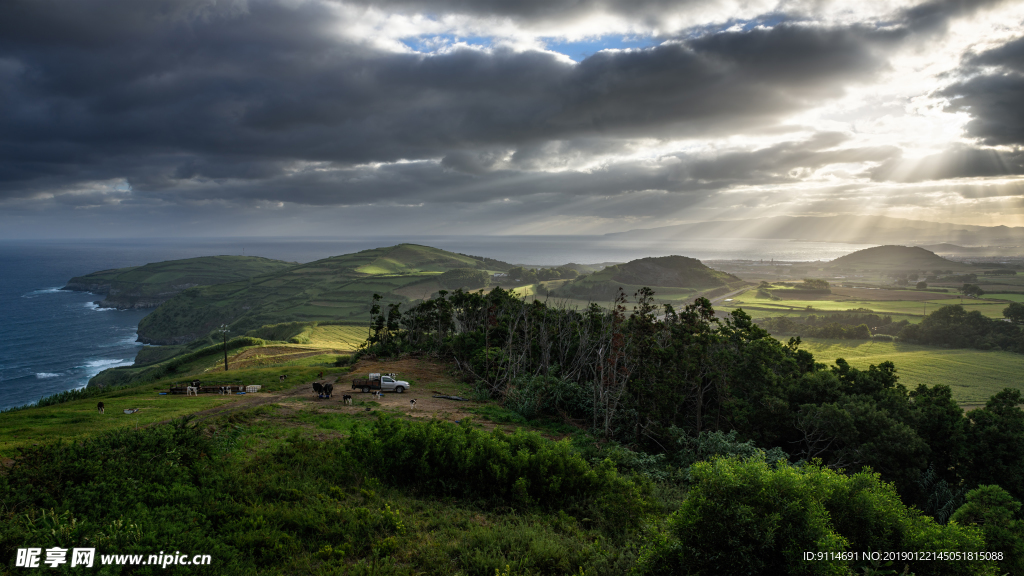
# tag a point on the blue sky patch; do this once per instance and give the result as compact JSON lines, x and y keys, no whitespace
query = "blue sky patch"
{"x":581,"y":49}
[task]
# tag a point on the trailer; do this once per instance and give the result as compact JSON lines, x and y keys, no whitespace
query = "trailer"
{"x":382,"y":382}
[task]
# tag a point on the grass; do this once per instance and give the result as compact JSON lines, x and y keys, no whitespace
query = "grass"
{"x":973,"y":375}
{"x":1007,"y":297}
{"x":333,"y":336}
{"x":79,"y":418}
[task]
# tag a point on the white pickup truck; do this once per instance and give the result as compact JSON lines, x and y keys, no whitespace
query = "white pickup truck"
{"x":382,"y":382}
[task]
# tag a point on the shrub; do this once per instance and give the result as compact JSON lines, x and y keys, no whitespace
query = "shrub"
{"x":743,"y":517}
{"x":520,"y":469}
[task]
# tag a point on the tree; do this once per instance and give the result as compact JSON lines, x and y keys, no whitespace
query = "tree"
{"x":993,"y":510}
{"x":922,"y":285}
{"x":995,"y":440}
{"x":971,"y":290}
{"x":1014,"y":313}
{"x":468,"y":278}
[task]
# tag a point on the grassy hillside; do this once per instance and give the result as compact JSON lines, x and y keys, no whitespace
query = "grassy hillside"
{"x":150,"y":285}
{"x":280,"y":482}
{"x":896,"y":257}
{"x":671,"y":277}
{"x":336,"y":289}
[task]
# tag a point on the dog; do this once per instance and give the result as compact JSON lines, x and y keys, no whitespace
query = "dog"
{"x":99,"y":407}
{"x":412,"y":404}
{"x":346,"y":399}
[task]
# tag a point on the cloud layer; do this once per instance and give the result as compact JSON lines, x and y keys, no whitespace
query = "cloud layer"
{"x":131,"y":109}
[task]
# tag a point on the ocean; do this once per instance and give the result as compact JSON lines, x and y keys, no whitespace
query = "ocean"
{"x":55,"y":340}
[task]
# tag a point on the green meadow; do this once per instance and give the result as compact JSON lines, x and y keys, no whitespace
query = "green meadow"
{"x":973,"y":375}
{"x":912,"y":310}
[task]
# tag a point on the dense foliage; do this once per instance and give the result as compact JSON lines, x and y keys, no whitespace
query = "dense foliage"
{"x":955,"y":327}
{"x":642,"y":380}
{"x":744,"y":517}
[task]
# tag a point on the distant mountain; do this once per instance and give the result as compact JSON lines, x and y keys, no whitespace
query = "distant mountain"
{"x":339,"y":288}
{"x":664,"y":272}
{"x":987,"y":251}
{"x":851,"y":229}
{"x":150,"y":285}
{"x":895,"y":257}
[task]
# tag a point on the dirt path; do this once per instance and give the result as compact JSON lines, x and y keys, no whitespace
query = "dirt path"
{"x":260,"y":398}
{"x":427,"y":379}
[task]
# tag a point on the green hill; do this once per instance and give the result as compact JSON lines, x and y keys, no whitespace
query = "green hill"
{"x":675,"y":272}
{"x":336,"y":289}
{"x":895,"y":257}
{"x":150,"y":285}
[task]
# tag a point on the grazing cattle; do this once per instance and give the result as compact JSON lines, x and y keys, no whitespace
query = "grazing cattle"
{"x":412,"y":404}
{"x":346,"y":399}
{"x":328,"y":389}
{"x":191,"y":391}
{"x":99,"y":407}
{"x":283,"y":376}
{"x":319,"y":389}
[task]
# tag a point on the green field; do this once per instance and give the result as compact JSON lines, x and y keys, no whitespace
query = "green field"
{"x":912,"y":310}
{"x":342,"y":337}
{"x":1010,"y":297}
{"x":973,"y":375}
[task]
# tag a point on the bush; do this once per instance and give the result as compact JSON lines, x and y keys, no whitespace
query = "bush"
{"x":743,"y":517}
{"x":520,"y":469}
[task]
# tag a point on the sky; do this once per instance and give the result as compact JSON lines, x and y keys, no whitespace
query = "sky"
{"x":128,"y":118}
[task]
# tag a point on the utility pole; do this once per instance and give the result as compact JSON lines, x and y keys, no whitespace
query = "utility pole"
{"x":224,"y":334}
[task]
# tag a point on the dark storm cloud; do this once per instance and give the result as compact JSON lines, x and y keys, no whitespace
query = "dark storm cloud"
{"x":928,"y":15}
{"x":171,"y":95}
{"x":958,"y":162}
{"x":993,"y":97}
{"x":683,"y":178}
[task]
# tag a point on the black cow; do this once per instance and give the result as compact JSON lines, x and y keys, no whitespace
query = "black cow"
{"x":99,"y":407}
{"x":319,"y":389}
{"x":328,"y":389}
